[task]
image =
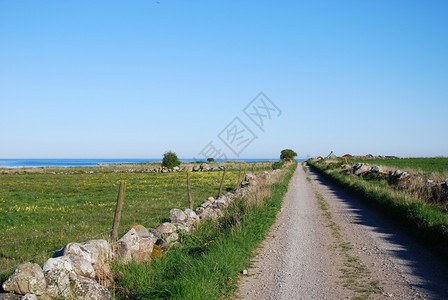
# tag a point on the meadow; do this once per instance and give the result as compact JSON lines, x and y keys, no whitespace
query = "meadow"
{"x":43,"y":209}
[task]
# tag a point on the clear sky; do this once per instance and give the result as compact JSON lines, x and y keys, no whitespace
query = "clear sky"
{"x":132,"y":79}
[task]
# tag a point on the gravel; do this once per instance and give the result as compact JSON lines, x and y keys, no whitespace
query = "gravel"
{"x":298,"y":259}
{"x":293,"y":262}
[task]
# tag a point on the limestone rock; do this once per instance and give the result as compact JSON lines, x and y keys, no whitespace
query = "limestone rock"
{"x":177,"y":216}
{"x":132,"y":239}
{"x":166,"y":228}
{"x":82,"y":266}
{"x":89,"y":289}
{"x":94,"y":251}
{"x":121,"y":251}
{"x":9,"y":296}
{"x":143,"y":254}
{"x":208,"y":213}
{"x":29,"y":297}
{"x":141,"y":231}
{"x":182,"y":226}
{"x":360,"y":168}
{"x":28,"y":278}
{"x":100,"y":250}
{"x":58,"y":273}
{"x":376,"y":170}
{"x":192,"y":217}
{"x":172,"y":237}
{"x":156,"y":234}
{"x":204,"y":167}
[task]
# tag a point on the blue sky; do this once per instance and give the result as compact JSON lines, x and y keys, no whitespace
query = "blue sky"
{"x":132,"y":79}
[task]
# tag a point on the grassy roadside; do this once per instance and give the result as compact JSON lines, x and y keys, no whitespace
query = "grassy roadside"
{"x":427,"y":223}
{"x":207,"y":264}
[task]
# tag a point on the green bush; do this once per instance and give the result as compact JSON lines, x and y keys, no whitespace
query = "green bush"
{"x":287,"y":154}
{"x":210,"y":159}
{"x":277,"y":165}
{"x":170,"y":160}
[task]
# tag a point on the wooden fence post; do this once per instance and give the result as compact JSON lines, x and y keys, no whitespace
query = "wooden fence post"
{"x":120,"y":199}
{"x":222,"y":183}
{"x":190,"y":199}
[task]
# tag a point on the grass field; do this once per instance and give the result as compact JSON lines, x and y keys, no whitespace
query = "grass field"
{"x":427,"y":166}
{"x":42,"y":211}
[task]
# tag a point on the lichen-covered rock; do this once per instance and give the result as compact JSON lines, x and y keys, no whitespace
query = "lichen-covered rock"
{"x":192,"y":217}
{"x":157,"y":252}
{"x":121,"y":251}
{"x":360,"y":168}
{"x":9,"y":296}
{"x":376,"y":170}
{"x":94,"y":251}
{"x":28,"y":278}
{"x":177,"y":216}
{"x":82,"y":266}
{"x":88,"y":289}
{"x":132,"y":239}
{"x":208,"y":213}
{"x":172,"y":237}
{"x":166,"y":228}
{"x":29,"y":297}
{"x":182,"y":226}
{"x":141,"y":230}
{"x":101,"y":249}
{"x":157,"y":235}
{"x":58,"y":273}
{"x":76,"y":249}
{"x":143,"y":254}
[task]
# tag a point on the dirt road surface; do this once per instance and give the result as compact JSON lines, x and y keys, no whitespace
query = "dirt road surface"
{"x":325,"y":245}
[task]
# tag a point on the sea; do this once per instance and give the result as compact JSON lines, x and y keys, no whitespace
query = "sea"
{"x":90,"y":162}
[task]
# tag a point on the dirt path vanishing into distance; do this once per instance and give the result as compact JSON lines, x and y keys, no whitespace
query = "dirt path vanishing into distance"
{"x":326,"y":245}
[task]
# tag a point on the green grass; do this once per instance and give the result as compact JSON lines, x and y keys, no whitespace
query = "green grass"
{"x":424,"y":165}
{"x":41,"y":211}
{"x":426,"y":222}
{"x":207,"y":263}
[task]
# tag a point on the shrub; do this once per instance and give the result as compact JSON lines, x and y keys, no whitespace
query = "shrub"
{"x":170,"y":160}
{"x":210,"y":159}
{"x":277,"y":165}
{"x":287,"y":154}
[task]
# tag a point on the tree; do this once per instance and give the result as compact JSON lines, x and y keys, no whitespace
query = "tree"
{"x":287,"y":154}
{"x":210,"y":159}
{"x":170,"y":160}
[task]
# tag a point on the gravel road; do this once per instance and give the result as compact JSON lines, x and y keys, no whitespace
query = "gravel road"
{"x":306,"y":253}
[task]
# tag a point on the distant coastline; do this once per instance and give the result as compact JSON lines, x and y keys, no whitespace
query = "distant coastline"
{"x":74,"y":162}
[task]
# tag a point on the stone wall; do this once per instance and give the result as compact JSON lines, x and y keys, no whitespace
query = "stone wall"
{"x":426,"y":188}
